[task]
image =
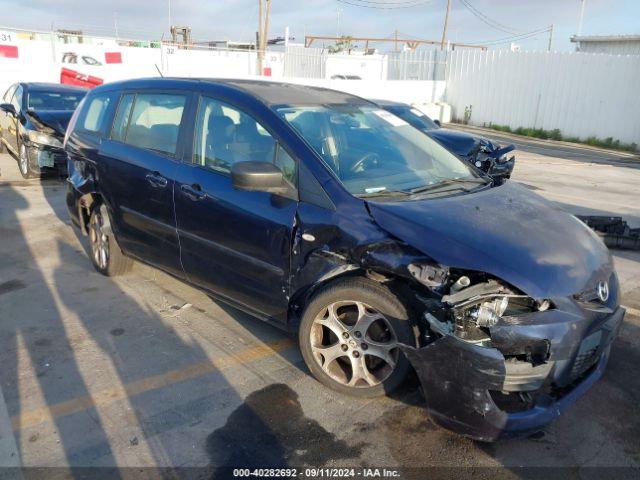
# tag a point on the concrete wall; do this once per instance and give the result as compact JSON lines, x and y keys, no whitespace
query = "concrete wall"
{"x":622,"y":47}
{"x":580,"y":94}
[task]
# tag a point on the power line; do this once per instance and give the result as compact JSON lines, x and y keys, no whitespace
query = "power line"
{"x":486,"y":20}
{"x":387,"y":3}
{"x":391,"y":5}
{"x":522,"y":36}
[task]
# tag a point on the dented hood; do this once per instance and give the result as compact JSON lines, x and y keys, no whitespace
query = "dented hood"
{"x":509,"y":232}
{"x":460,"y":143}
{"x":57,"y":120}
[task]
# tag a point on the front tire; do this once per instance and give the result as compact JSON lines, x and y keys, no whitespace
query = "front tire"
{"x":23,"y":163}
{"x":106,"y":256}
{"x":349,"y":337}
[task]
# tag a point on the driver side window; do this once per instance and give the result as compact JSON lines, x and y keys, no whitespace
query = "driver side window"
{"x":226,"y":135}
{"x":8,"y":94}
{"x":16,"y":101}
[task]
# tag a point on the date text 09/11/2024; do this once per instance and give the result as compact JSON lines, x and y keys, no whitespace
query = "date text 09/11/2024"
{"x":317,"y":472}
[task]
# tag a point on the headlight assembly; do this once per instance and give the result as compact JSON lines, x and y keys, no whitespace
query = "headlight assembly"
{"x":41,"y":138}
{"x":476,"y":303}
{"x":487,"y":314}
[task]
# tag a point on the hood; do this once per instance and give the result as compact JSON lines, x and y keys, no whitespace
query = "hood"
{"x":508,"y":232}
{"x":54,"y":119}
{"x":459,"y":143}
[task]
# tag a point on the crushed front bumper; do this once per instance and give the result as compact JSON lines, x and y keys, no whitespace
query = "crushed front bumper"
{"x":462,"y":381}
{"x":45,"y":158}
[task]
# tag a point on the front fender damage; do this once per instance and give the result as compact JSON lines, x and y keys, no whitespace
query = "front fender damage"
{"x":456,"y":378}
{"x":81,"y":192}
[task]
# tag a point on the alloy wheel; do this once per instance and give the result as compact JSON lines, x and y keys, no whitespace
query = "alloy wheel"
{"x":354,"y":344}
{"x":99,"y":240}
{"x":24,"y":161}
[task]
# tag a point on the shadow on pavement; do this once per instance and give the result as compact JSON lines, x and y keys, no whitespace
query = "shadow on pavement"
{"x":106,"y":366}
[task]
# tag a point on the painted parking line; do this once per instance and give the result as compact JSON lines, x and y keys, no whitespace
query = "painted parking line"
{"x":108,"y":396}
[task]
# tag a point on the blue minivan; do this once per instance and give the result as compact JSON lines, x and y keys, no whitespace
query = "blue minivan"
{"x":325,"y":215}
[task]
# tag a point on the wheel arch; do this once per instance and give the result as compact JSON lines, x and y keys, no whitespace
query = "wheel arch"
{"x":86,"y":203}
{"x":396,"y":284}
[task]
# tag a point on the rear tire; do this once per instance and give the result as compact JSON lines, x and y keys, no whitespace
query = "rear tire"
{"x":106,"y":256}
{"x":349,"y":336}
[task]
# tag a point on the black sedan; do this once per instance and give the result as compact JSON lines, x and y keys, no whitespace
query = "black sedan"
{"x":33,"y":121}
{"x":481,"y":152}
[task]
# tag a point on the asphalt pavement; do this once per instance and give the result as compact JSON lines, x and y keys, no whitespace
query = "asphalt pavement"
{"x":143,"y":372}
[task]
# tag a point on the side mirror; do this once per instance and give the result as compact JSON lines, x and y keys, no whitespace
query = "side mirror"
{"x":437,"y":122}
{"x":259,"y":177}
{"x":8,"y":108}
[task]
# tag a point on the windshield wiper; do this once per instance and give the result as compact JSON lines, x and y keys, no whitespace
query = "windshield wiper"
{"x":450,"y":181}
{"x":385,"y":193}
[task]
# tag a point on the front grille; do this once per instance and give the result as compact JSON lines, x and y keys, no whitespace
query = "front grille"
{"x":583,"y":362}
{"x":587,"y":356}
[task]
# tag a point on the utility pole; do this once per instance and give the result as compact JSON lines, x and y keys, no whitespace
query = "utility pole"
{"x":263,"y":33}
{"x":446,"y":22}
{"x":550,"y":38}
{"x":395,"y":42}
{"x":259,"y":38}
{"x":582,"y":2}
{"x":338,"y":15}
{"x":115,"y":23}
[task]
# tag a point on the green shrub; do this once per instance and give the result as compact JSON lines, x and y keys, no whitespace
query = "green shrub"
{"x":555,"y":134}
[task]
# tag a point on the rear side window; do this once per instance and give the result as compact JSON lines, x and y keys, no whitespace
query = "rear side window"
{"x":154,"y":121}
{"x":95,"y":113}
{"x":119,"y":131}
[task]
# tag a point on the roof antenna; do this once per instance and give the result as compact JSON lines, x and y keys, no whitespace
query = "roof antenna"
{"x":158,"y":69}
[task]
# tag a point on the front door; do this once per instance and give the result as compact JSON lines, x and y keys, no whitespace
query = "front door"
{"x":5,"y":117}
{"x":10,"y":122}
{"x":138,"y":162}
{"x":234,"y":243}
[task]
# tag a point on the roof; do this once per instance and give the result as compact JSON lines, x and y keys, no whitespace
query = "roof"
{"x":281,"y":93}
{"x":605,"y":38}
{"x":268,"y":92}
{"x":52,"y":87}
{"x":389,"y":103}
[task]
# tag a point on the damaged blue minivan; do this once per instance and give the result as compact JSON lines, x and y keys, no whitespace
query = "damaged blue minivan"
{"x":325,"y":215}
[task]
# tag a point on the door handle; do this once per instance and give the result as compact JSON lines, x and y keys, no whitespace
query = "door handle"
{"x":156,"y":180}
{"x":194,"y":192}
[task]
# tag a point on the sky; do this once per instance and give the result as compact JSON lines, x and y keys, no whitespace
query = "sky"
{"x":237,"y":19}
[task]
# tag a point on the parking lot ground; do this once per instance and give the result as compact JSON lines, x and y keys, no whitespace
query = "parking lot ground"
{"x":145,"y":371}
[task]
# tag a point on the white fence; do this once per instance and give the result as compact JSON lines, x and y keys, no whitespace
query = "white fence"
{"x":580,"y":94}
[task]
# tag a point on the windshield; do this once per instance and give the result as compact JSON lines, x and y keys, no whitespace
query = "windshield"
{"x":414,"y":116}
{"x":372,"y":151}
{"x":54,"y":100}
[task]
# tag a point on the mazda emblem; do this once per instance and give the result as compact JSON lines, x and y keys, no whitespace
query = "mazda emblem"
{"x":603,"y":291}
